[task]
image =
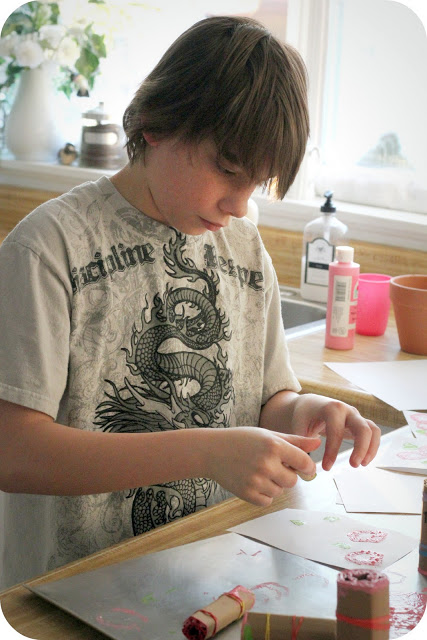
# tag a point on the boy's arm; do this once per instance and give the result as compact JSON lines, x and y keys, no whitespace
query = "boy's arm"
{"x":38,"y":455}
{"x":313,"y":415}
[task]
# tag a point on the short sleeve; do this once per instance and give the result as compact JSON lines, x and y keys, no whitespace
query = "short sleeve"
{"x":35,"y":330}
{"x":278,"y":373}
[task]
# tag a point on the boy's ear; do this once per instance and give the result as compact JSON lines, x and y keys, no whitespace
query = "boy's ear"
{"x":151,"y":139}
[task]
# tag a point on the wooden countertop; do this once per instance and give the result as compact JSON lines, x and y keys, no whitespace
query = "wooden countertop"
{"x":37,"y":618}
{"x":308,"y":355}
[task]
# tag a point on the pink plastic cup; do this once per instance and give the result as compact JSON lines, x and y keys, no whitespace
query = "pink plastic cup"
{"x":373,"y":304}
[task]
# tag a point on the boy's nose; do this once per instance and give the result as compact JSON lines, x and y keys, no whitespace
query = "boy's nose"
{"x":235,"y":204}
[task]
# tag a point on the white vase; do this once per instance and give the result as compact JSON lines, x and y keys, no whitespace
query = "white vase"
{"x":32,"y":131}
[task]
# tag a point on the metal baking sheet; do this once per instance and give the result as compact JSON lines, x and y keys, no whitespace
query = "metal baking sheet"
{"x":150,"y":597}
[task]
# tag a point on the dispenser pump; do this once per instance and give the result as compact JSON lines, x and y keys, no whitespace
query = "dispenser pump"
{"x":320,"y":238}
{"x":328,"y":207}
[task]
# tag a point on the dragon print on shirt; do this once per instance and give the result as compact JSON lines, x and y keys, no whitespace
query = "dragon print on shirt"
{"x":174,"y":382}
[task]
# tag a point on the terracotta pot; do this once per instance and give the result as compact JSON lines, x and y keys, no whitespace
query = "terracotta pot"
{"x":409,"y":297}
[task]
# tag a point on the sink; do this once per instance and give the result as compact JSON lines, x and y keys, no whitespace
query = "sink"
{"x":300,"y":317}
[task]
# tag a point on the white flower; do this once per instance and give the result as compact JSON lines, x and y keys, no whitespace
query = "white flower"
{"x":29,"y":54}
{"x":8,"y":44}
{"x":68,"y":52}
{"x":77,"y":33}
{"x":52,"y":34}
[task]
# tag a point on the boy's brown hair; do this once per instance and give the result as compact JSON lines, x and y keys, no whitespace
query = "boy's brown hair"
{"x":230,"y":79}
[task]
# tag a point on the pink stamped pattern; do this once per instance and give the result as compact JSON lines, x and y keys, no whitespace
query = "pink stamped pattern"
{"x":121,"y":619}
{"x":416,"y":454}
{"x":367,"y":536}
{"x":270,"y":591}
{"x":368,"y":558}
{"x":406,"y":611}
{"x":420,"y":419}
{"x":323,"y":581}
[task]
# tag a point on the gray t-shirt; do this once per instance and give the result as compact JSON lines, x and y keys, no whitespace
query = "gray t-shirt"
{"x":112,"y":321}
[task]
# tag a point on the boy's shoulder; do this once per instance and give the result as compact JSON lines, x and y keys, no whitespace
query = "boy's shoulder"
{"x":243,"y":230}
{"x":48,"y":218}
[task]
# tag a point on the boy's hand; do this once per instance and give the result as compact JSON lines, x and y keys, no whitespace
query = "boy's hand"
{"x":315,"y":415}
{"x":256,"y":464}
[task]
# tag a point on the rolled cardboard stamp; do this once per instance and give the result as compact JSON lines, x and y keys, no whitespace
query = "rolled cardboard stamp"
{"x":422,"y":563}
{"x":362,"y":605}
{"x":273,"y":626}
{"x":230,"y":606}
{"x":306,"y":477}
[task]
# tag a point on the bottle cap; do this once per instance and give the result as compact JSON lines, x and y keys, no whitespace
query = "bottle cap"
{"x":328,"y":206}
{"x":344,"y":254}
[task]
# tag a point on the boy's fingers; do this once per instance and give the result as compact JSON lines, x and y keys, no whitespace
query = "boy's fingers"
{"x":374,"y":444}
{"x":296,"y":459}
{"x":366,"y":437}
{"x":332,"y":448}
{"x":302,"y":442}
{"x":287,"y":476}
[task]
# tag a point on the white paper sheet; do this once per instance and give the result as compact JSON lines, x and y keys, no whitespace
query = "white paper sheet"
{"x":372,"y":490}
{"x":402,"y":384}
{"x":417,"y":422}
{"x":329,"y":538}
{"x":405,"y":452}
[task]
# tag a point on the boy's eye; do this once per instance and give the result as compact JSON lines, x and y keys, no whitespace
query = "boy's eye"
{"x":224,"y":170}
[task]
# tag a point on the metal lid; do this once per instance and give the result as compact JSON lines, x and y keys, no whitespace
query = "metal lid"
{"x":98,"y":113}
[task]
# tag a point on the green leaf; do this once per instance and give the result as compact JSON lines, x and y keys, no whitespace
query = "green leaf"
{"x":41,"y":17}
{"x":409,"y":445}
{"x":54,"y":12}
{"x":13,"y":68}
{"x":17,"y":21}
{"x":66,"y":88}
{"x":98,"y":45}
{"x":87,"y":63}
{"x":299,"y":523}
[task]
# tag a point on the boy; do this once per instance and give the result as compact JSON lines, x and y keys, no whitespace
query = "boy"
{"x":144,"y":371}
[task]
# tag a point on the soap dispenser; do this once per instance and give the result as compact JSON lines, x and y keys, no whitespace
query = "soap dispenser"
{"x":320,"y":238}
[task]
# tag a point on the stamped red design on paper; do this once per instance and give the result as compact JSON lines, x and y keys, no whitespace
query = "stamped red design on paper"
{"x":369,"y":558}
{"x":367,"y":536}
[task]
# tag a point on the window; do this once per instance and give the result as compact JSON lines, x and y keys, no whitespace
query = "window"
{"x":317,"y":28}
{"x":367,"y":64}
{"x":373,"y":137}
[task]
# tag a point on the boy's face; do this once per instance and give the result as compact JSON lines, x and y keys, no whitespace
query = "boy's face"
{"x":186,"y":187}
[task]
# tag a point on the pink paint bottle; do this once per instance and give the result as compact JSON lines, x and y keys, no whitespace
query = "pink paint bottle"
{"x":342,"y":300}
